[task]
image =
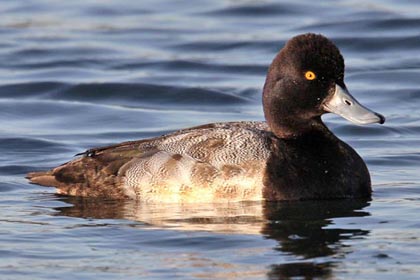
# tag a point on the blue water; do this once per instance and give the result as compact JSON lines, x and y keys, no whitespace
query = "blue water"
{"x":81,"y":74}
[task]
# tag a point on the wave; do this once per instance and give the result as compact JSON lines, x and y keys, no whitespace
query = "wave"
{"x":126,"y":94}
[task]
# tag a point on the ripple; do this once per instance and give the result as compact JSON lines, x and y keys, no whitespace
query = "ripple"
{"x":82,"y":74}
{"x":354,"y":130}
{"x":379,"y":25}
{"x":73,"y":51}
{"x":28,"y":144}
{"x":188,"y":66}
{"x":226,"y":45}
{"x":262,"y":10}
{"x":378,"y":43}
{"x":397,"y":160}
{"x":123,"y":93}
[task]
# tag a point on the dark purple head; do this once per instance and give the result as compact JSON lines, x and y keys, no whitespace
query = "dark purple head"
{"x":306,"y":80}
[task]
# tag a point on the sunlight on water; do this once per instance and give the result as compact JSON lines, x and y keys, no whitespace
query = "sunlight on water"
{"x":80,"y":74}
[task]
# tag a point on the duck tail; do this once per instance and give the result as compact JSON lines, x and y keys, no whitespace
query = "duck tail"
{"x":43,"y":178}
{"x":85,"y":176}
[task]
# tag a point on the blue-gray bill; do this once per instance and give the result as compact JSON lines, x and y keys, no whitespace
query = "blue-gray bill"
{"x":345,"y":105}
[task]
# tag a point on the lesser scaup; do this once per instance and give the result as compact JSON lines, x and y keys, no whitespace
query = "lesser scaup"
{"x":291,"y":156}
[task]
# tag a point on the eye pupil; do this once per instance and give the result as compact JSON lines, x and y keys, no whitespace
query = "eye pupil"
{"x":309,"y":75}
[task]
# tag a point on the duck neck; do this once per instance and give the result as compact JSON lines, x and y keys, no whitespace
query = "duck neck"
{"x":288,"y":120}
{"x":289,"y":128}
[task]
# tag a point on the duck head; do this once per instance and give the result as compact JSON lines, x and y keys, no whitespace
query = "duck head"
{"x":305,"y":81}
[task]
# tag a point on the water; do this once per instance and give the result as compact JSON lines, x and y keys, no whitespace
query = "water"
{"x":80,"y":74}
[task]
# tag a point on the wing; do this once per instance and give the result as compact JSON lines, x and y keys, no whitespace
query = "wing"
{"x":178,"y":163}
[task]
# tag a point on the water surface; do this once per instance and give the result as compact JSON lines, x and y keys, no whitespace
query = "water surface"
{"x":80,"y":74}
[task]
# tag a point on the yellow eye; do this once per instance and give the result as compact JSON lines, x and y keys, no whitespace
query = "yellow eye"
{"x":309,"y":75}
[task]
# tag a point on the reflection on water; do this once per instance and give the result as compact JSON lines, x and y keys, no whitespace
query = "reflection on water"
{"x":241,"y":218}
{"x":84,"y":74}
{"x":304,"y":229}
{"x":301,"y":230}
{"x":299,"y":269}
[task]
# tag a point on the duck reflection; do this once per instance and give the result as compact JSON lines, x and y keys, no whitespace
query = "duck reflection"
{"x":305,"y":229}
{"x":302,"y":228}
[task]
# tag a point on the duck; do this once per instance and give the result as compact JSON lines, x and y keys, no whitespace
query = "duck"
{"x":292,"y":155}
